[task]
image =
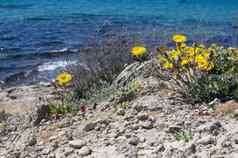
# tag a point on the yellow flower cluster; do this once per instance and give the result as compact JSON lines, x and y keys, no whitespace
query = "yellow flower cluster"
{"x":63,"y":79}
{"x":184,"y":56}
{"x":179,"y":38}
{"x":138,"y":51}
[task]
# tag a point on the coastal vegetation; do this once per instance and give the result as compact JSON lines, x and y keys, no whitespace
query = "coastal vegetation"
{"x":171,"y":98}
{"x":198,"y":73}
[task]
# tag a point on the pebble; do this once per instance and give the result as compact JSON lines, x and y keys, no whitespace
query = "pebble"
{"x":134,"y":140}
{"x":142,"y":117}
{"x":84,"y":151}
{"x":206,"y":140}
{"x":147,"y":125}
{"x":77,"y":144}
{"x":90,"y":126}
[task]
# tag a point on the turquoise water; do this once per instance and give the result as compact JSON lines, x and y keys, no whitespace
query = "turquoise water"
{"x":30,"y":29}
{"x":218,"y":10}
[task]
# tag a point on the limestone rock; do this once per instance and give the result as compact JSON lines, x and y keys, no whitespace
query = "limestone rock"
{"x":77,"y":144}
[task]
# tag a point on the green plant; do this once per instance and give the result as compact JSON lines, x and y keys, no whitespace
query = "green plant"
{"x":63,"y":93}
{"x":135,"y":86}
{"x":59,"y":109}
{"x":200,"y":73}
{"x":222,"y":81}
{"x":3,"y":125}
{"x":124,"y":105}
{"x":183,"y":136}
{"x":4,"y":116}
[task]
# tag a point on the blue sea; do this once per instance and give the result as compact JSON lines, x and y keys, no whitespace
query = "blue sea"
{"x":35,"y":35}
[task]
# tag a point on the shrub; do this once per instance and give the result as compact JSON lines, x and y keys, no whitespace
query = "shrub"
{"x":99,"y":65}
{"x":200,"y":73}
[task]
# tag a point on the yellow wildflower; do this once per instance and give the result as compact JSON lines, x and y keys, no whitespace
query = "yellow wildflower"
{"x":168,"y":65}
{"x":179,"y":38}
{"x":203,"y":64}
{"x":190,"y":51}
{"x":185,"y":61}
{"x":138,"y":51}
{"x":174,"y":54}
{"x":200,"y":58}
{"x":206,"y":53}
{"x":64,"y":78}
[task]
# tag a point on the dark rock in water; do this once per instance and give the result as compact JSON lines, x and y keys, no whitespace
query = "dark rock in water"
{"x":235,"y":26}
{"x":20,"y":78}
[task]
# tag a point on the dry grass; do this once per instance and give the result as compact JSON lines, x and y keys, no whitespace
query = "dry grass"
{"x":227,"y":107}
{"x":100,"y":63}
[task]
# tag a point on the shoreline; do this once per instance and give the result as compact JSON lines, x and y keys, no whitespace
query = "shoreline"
{"x":22,"y":99}
{"x":155,"y":123}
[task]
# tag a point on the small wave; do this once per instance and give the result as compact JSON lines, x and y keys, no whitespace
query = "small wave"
{"x":51,"y":66}
{"x":11,"y":54}
{"x":14,"y":6}
{"x":48,"y":43}
{"x":7,"y":38}
{"x":38,"y":18}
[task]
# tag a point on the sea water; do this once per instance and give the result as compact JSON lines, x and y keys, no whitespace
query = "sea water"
{"x":30,"y":30}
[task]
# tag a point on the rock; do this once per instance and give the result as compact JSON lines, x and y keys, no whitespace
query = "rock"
{"x":68,"y":151}
{"x":28,"y":138}
{"x":134,"y":140}
{"x":235,"y":115}
{"x":149,"y":102}
{"x":84,"y":151}
{"x":171,"y":152}
{"x":234,"y":155}
{"x":121,"y":112}
{"x":147,"y":125}
{"x":174,"y":129}
{"x":90,"y":126}
{"x":206,"y":140}
{"x":143,"y":117}
{"x":41,"y":111}
{"x":77,"y":144}
{"x":213,"y":127}
{"x":190,"y":148}
{"x":136,"y":70}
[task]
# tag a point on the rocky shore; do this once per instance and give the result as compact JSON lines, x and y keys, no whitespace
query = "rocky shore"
{"x":153,"y":123}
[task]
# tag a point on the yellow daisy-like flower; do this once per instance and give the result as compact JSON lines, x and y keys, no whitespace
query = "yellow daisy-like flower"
{"x":203,"y":64}
{"x":174,"y":54}
{"x":200,"y":58}
{"x":179,"y":38}
{"x":64,"y":78}
{"x":138,"y":51}
{"x":206,"y":53}
{"x":186,"y":61}
{"x":168,"y":65}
